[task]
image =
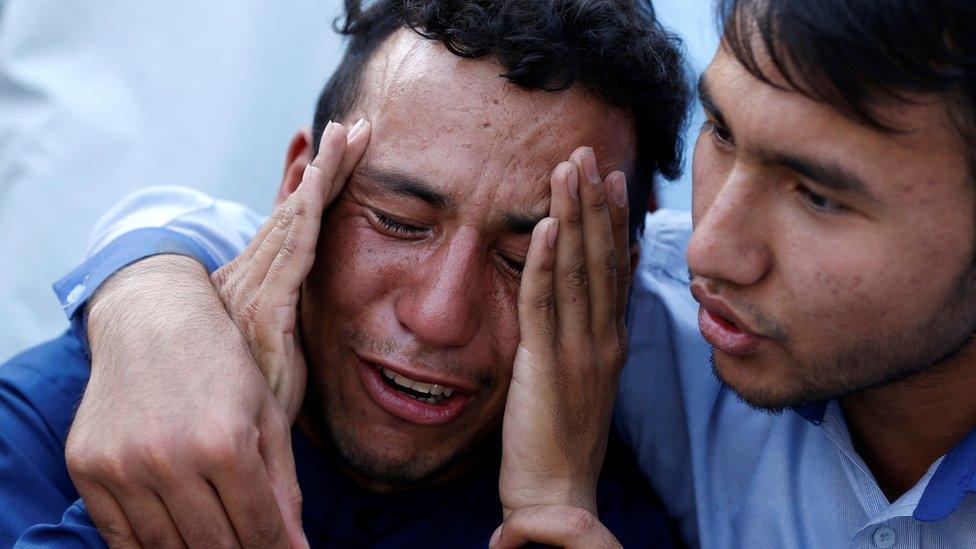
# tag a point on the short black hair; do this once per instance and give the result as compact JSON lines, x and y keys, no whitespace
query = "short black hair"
{"x":615,"y":49}
{"x":856,"y":54}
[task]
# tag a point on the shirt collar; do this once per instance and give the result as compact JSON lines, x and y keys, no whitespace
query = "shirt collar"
{"x":950,"y":483}
{"x":953,"y":479}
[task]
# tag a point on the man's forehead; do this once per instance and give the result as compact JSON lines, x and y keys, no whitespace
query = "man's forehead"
{"x":776,"y":121}
{"x":464,"y":128}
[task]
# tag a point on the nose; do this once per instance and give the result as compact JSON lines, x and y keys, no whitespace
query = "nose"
{"x":731,"y":234}
{"x":440,"y":308}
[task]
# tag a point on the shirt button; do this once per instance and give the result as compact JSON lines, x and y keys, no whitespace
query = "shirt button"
{"x":885,"y":537}
{"x":74,"y":294}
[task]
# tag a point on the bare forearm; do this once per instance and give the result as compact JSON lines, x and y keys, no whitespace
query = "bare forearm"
{"x":144,"y":313}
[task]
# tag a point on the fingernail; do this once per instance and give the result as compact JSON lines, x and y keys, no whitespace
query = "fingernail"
{"x":494,"y":537}
{"x":553,"y":231}
{"x":589,"y":167}
{"x":618,"y":188}
{"x":572,"y":182}
{"x":355,"y":129}
{"x":328,"y":129}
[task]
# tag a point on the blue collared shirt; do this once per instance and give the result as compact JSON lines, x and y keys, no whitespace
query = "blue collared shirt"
{"x":40,"y":388}
{"x":730,"y":476}
{"x":735,"y":477}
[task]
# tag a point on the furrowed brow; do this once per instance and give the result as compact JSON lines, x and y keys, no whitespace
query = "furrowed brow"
{"x":406,"y":185}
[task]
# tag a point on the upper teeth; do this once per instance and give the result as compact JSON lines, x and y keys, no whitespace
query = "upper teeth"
{"x":432,"y":389}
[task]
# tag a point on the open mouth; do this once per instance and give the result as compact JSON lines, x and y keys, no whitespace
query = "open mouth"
{"x":431,"y":393}
{"x":412,"y":400}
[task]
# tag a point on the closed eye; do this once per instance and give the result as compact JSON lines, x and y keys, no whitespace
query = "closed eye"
{"x":513,"y":266}
{"x":397,"y":228}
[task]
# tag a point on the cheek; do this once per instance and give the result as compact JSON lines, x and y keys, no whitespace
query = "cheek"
{"x":856,"y":289}
{"x":355,"y":265}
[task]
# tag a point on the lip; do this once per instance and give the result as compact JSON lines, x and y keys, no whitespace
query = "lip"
{"x":722,"y":328}
{"x":401,"y":406}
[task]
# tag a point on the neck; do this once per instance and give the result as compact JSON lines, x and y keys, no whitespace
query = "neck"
{"x":899,"y":430}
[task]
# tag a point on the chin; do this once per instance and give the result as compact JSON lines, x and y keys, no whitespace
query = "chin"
{"x":390,"y":458}
{"x":758,"y":386}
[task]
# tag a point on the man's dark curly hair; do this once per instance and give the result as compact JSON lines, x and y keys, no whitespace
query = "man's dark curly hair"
{"x":615,"y":49}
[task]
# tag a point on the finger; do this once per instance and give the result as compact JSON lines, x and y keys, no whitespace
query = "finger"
{"x":300,"y":215}
{"x":249,"y":501}
{"x":572,"y":295}
{"x":107,"y":514}
{"x":537,"y":312}
{"x":598,"y":246}
{"x":150,"y":520}
{"x":276,"y":451}
{"x":358,"y":139}
{"x":199,"y":515}
{"x":616,"y":183}
{"x":556,"y":525}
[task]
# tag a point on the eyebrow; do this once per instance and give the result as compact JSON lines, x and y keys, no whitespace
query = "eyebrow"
{"x":520,"y":224}
{"x":826,"y":174}
{"x":409,"y":186}
{"x":707,"y":102}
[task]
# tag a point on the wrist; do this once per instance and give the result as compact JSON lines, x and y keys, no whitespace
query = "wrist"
{"x":162,"y":299}
{"x":570,"y":492}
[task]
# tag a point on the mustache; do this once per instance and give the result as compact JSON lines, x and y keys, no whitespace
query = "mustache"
{"x":430,"y":360}
{"x":758,"y":319}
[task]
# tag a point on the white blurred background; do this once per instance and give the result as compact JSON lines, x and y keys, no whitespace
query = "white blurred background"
{"x":100,"y":97}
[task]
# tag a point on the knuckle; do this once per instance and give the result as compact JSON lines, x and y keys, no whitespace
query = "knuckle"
{"x":116,"y":535}
{"x":598,"y":203}
{"x":576,"y":275}
{"x":543,"y":301}
{"x":261,"y":533}
{"x":580,"y":522}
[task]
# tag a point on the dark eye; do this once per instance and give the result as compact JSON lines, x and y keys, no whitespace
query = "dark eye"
{"x":513,"y":266}
{"x":719,"y":133}
{"x":818,"y":201}
{"x":397,"y":228}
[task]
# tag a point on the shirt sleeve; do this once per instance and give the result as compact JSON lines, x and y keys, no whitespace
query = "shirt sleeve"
{"x":152,"y":221}
{"x":76,"y":530}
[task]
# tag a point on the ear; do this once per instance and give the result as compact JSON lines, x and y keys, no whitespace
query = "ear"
{"x":299,"y":155}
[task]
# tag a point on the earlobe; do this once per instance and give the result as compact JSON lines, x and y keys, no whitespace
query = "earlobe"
{"x":298,"y":156}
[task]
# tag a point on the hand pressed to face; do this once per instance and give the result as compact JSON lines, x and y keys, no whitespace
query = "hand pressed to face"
{"x":260,"y":288}
{"x":418,"y":268}
{"x":573,"y":341}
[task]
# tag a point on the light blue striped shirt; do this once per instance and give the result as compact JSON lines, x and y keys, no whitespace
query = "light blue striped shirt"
{"x":730,"y":476}
{"x":734,"y":477}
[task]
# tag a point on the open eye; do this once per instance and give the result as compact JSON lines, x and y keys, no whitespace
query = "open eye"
{"x":398,"y":229}
{"x":818,"y":201}
{"x":719,"y":134}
